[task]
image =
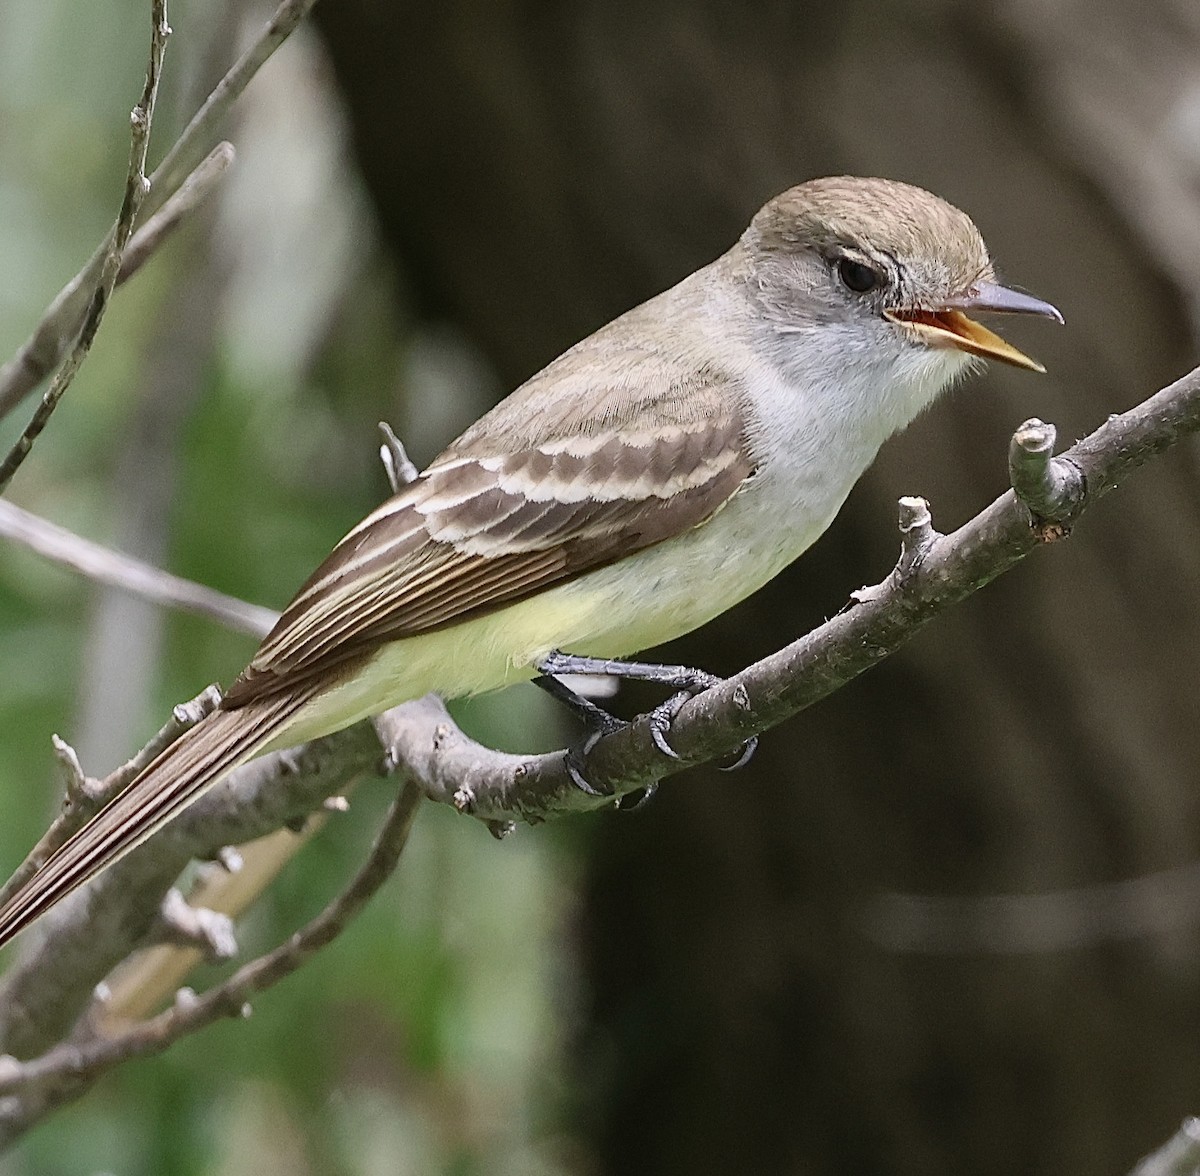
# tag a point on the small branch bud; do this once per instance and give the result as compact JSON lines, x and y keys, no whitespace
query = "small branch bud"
{"x":83,"y":792}
{"x":916,"y":535}
{"x":396,"y":464}
{"x":229,"y":858}
{"x":189,"y":926}
{"x":185,"y":999}
{"x":1051,"y":488}
{"x":188,"y":714}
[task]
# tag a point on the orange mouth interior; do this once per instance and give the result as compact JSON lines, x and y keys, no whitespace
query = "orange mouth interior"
{"x":952,"y":328}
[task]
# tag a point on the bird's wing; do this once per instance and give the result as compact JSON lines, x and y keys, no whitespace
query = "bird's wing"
{"x":521,"y":501}
{"x":483,"y":527}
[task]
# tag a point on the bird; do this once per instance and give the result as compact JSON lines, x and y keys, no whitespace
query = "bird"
{"x":645,"y":481}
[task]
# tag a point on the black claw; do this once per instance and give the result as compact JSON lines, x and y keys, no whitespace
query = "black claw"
{"x":659,"y":738}
{"x":631,"y":802}
{"x":578,"y":778}
{"x":661,"y":718}
{"x":577,"y":754}
{"x":744,"y":757}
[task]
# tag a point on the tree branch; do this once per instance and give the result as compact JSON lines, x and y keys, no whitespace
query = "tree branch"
{"x":105,"y":566}
{"x":64,"y":1072}
{"x":41,"y":998}
{"x":76,"y":945}
{"x":1157,"y":903}
{"x":61,"y":323}
{"x":194,"y":190}
{"x":100,"y":291}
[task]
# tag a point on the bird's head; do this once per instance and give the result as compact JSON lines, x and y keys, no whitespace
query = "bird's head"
{"x":883,"y":267}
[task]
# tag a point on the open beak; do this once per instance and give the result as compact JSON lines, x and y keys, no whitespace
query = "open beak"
{"x":949,"y":325}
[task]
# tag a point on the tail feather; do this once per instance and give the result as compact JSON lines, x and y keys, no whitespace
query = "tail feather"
{"x":172,"y":781}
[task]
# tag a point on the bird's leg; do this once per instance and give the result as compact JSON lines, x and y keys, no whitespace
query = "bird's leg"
{"x":684,"y":680}
{"x":599,"y":723}
{"x":596,"y":720}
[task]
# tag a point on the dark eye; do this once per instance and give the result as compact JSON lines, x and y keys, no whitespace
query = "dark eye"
{"x":858,"y":277}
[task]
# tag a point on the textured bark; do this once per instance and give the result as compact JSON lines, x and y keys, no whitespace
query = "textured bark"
{"x":540,"y":167}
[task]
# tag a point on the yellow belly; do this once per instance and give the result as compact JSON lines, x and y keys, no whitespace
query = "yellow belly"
{"x":654,"y":596}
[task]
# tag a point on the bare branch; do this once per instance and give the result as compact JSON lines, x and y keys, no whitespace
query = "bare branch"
{"x":453,"y":769}
{"x":60,"y":325}
{"x":51,"y":982}
{"x":193,"y":143}
{"x":1057,"y":920}
{"x":85,"y":795}
{"x":137,"y":987}
{"x":142,"y":983}
{"x":1179,"y":1156}
{"x":136,"y":187}
{"x":62,"y":1073}
{"x":175,"y":209}
{"x":106,"y":566}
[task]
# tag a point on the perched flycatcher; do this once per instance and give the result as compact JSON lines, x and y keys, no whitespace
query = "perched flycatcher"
{"x":648,"y":479}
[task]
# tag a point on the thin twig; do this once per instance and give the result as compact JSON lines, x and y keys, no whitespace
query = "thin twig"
{"x":70,"y":1066}
{"x":61,"y":322}
{"x":106,"y":566}
{"x":175,"y":209}
{"x":1058,"y":920}
{"x":84,"y":796}
{"x":136,"y":187}
{"x":192,"y":144}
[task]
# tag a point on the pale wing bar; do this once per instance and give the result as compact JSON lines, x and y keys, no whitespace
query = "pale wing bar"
{"x":472,"y":534}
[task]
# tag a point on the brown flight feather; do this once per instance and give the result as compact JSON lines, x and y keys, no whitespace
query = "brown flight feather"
{"x":470,"y":535}
{"x":482,"y":527}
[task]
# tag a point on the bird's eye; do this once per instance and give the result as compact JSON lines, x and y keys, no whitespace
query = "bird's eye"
{"x":857,"y":276}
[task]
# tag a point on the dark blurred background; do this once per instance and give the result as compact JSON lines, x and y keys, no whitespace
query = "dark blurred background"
{"x":946,"y":921}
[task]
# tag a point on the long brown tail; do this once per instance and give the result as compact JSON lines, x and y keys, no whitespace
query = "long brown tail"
{"x":172,"y":781}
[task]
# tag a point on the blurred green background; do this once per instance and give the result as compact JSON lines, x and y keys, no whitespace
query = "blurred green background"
{"x":224,"y":426}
